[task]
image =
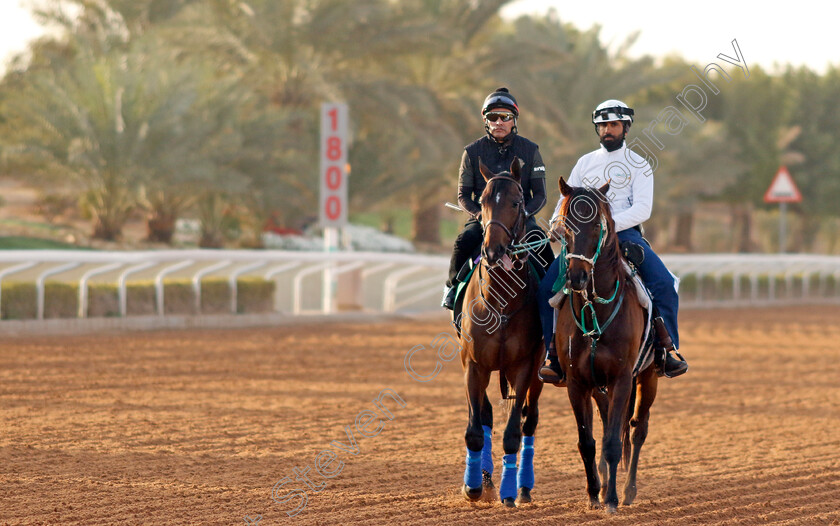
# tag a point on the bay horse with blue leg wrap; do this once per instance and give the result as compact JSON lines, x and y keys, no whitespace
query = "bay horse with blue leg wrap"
{"x":600,"y":329}
{"x":500,"y":331}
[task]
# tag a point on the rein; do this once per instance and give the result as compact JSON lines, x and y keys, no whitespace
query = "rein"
{"x":596,"y":330}
{"x":513,"y":233}
{"x":505,"y":318}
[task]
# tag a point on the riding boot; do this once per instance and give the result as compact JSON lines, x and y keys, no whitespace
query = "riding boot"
{"x":667,"y":365}
{"x":551,"y":372}
{"x":449,"y":296}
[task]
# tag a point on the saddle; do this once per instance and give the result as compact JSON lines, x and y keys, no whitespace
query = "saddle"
{"x":635,"y":255}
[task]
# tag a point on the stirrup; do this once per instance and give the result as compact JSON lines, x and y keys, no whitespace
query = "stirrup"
{"x":671,"y":367}
{"x":550,"y":375}
{"x":448,"y":301}
{"x":551,"y":372}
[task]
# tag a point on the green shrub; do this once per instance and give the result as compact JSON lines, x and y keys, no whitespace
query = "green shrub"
{"x":255,"y":295}
{"x":18,"y":300}
{"x":103,"y":301}
{"x":215,"y":296}
{"x":688,"y":285}
{"x":61,"y":300}
{"x":178,"y":297}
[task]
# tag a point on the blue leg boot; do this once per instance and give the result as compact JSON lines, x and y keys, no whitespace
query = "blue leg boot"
{"x":487,"y":459}
{"x":472,"y":476}
{"x":507,"y":489}
{"x":525,"y":475}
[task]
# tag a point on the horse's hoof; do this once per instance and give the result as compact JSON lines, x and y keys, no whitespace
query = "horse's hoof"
{"x":594,"y":504}
{"x":611,"y":509}
{"x":509,"y":502}
{"x":629,"y":496}
{"x":472,"y":494}
{"x":524,"y":496}
{"x":489,"y":494}
{"x":487,"y":480}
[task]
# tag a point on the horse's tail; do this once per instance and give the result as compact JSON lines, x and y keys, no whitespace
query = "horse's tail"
{"x":625,"y":427}
{"x":503,"y":384}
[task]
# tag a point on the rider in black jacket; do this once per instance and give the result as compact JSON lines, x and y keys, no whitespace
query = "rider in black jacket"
{"x":497,"y":150}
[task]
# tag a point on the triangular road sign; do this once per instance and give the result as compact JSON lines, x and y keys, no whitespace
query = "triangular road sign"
{"x":782,"y":189}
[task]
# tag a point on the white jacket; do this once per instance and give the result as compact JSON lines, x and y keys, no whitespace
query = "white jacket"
{"x":631,"y":184}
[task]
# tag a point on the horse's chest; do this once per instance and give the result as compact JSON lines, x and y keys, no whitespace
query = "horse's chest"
{"x":493,"y":347}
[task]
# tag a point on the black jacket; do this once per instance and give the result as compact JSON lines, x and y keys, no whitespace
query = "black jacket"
{"x":498,"y":158}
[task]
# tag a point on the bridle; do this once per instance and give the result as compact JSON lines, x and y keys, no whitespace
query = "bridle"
{"x":514,"y":233}
{"x":602,"y":237}
{"x":595,"y":328}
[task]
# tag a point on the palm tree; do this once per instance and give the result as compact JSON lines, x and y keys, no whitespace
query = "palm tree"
{"x":116,"y":123}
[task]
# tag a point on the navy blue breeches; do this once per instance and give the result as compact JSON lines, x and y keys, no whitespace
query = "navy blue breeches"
{"x":658,"y":280}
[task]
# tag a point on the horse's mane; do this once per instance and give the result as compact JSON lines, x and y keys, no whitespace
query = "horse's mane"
{"x":610,"y":258}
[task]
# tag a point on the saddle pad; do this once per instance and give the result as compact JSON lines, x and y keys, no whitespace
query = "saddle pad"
{"x":646,"y":350}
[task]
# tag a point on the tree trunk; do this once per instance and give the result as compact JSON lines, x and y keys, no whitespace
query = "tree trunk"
{"x":211,"y":240}
{"x":106,"y":230}
{"x":425,"y":226}
{"x":160,"y":226}
{"x":682,"y":235}
{"x":742,"y":227}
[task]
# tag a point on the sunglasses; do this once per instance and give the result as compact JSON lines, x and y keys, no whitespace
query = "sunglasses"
{"x":493,"y":117}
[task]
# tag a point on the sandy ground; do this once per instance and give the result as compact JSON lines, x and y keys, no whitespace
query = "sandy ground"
{"x":189,"y":427}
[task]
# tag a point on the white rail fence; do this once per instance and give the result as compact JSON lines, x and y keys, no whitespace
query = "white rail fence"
{"x":318,"y":282}
{"x":356,"y":281}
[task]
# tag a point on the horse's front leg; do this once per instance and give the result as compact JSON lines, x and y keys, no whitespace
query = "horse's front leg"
{"x":525,"y":475}
{"x":487,"y":450}
{"x":645,"y":395}
{"x":603,"y":403}
{"x":476,"y":379}
{"x":619,"y":396}
{"x":579,"y":397}
{"x":513,"y":434}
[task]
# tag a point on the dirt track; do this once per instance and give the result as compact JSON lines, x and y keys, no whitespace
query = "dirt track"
{"x":197,"y":427}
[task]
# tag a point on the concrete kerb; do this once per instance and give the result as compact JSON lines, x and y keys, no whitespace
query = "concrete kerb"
{"x":79,"y":326}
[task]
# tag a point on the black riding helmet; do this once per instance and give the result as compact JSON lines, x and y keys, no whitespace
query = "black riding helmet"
{"x":500,"y":98}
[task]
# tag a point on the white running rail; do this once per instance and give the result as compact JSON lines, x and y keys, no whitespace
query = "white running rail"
{"x":398,"y":282}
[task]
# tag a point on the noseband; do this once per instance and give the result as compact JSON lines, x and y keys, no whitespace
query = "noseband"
{"x":602,"y":237}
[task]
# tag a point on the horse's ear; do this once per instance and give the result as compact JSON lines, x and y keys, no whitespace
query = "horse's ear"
{"x":485,"y":172}
{"x":516,"y":169}
{"x":604,"y":189}
{"x":565,"y":189}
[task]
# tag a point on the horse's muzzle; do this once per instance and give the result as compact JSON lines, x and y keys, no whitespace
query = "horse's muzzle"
{"x":493,"y":255}
{"x":577,"y":280}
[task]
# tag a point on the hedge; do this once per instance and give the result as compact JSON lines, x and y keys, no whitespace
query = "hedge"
{"x":713,"y":289}
{"x":18,"y":300}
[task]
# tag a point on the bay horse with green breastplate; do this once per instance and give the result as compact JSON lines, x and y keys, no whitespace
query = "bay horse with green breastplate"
{"x":599,"y":333}
{"x":500,"y":331}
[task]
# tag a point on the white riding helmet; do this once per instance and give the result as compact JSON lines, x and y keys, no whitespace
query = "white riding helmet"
{"x":612,"y":110}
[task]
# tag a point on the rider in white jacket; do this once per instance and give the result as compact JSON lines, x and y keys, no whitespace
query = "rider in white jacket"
{"x":631,"y":194}
{"x":631,"y":200}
